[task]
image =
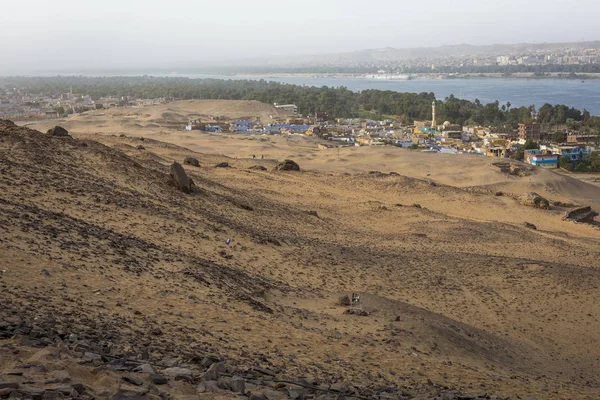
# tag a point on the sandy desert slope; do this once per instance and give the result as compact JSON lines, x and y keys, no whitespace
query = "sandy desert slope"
{"x":457,"y":294}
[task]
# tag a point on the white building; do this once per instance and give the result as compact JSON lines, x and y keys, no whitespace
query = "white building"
{"x":289,"y":109}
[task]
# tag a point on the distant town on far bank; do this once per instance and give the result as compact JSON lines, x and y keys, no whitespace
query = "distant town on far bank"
{"x":551,"y":60}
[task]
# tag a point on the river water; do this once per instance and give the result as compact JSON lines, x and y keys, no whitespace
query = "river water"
{"x":517,"y":91}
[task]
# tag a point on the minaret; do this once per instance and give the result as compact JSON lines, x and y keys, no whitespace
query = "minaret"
{"x":433,"y":115}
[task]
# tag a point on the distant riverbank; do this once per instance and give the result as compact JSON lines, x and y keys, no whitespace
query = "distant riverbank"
{"x":429,"y":76}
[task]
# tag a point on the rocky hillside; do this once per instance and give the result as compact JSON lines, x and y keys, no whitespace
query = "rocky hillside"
{"x":115,"y":284}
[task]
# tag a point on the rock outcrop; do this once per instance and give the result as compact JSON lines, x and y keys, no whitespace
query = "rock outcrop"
{"x":582,"y":215}
{"x":180,"y":178}
{"x":58,"y":131}
{"x":189,"y":160}
{"x":533,"y":199}
{"x":288,"y":165}
{"x":529,"y":225}
{"x":258,"y":168}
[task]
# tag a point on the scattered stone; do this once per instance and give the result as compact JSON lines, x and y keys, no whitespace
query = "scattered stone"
{"x":91,"y":357}
{"x":208,"y":386}
{"x":60,"y":376}
{"x":9,"y":385}
{"x":264,"y":371}
{"x":356,"y":311}
{"x":58,"y":131}
{"x":223,"y":164}
{"x":416,"y":205}
{"x":133,"y":380}
{"x":140,"y":147}
{"x":79,"y":387}
{"x":182,"y":181}
{"x":66,"y":390}
{"x":237,"y":384}
{"x":288,"y":165}
{"x":273,"y":394}
{"x":52,"y":395}
{"x":189,"y":160}
{"x":208,"y":361}
{"x":128,"y":396}
{"x":224,"y":383}
{"x":257,"y":397}
{"x":533,"y":199}
{"x":145,"y":368}
{"x":498,"y":194}
{"x":187,"y":378}
{"x":341,"y":387}
{"x":345,"y":301}
{"x":314,"y":213}
{"x":29,"y":393}
{"x":157,"y":331}
{"x":201,"y":387}
{"x":177,"y":371}
{"x":214,"y":371}
{"x":158,"y":379}
{"x":529,"y":225}
{"x":258,"y":168}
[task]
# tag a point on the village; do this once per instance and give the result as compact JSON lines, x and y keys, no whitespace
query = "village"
{"x":19,"y":105}
{"x":531,"y":142}
{"x":426,"y":136}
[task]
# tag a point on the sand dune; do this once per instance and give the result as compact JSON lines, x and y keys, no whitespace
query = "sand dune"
{"x":457,"y":292}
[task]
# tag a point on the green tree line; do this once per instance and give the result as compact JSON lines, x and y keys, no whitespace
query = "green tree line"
{"x":335,"y":102}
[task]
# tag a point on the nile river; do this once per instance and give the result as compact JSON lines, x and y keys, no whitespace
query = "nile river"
{"x":517,"y":91}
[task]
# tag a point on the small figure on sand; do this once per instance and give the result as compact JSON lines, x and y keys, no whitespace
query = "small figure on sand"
{"x":254,"y":156}
{"x":262,"y":156}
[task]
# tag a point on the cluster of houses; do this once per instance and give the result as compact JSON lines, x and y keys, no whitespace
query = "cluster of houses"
{"x":255,"y":127}
{"x":445,"y":138}
{"x":18,"y":104}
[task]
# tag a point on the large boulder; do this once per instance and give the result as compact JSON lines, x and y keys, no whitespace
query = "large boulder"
{"x":180,"y":178}
{"x":58,"y":131}
{"x":533,"y":199}
{"x":189,"y":160}
{"x":582,"y":215}
{"x":288,"y":165}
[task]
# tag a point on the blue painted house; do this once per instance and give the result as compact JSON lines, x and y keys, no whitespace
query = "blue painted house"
{"x":242,"y":126}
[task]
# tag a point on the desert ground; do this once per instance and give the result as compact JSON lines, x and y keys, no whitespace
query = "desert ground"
{"x":457,"y":296}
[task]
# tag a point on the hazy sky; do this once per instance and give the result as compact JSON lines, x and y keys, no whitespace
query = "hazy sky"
{"x":42,"y":35}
